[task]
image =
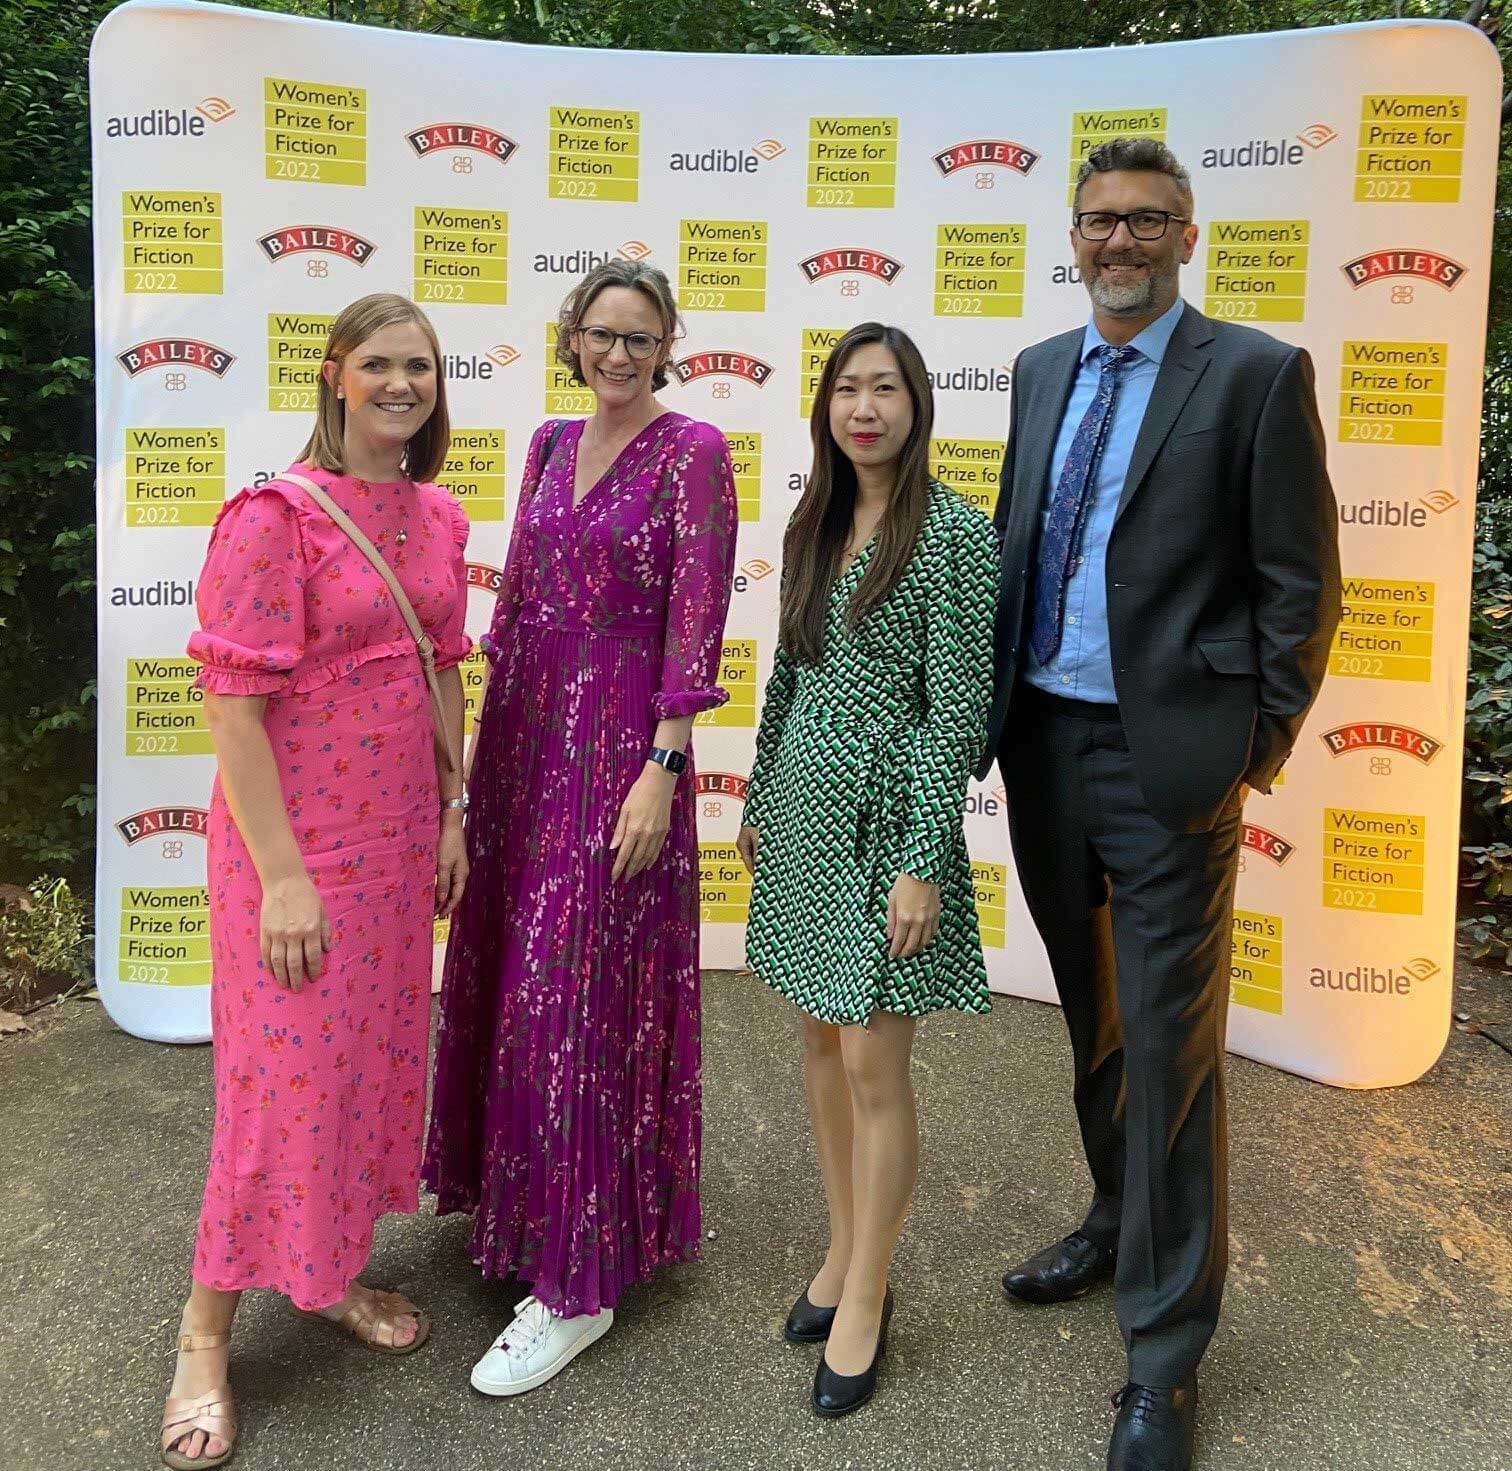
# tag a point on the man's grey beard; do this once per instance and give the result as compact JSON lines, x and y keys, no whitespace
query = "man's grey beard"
{"x":1128,"y":301}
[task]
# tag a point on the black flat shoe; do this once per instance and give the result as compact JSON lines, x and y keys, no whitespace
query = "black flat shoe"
{"x":1156,"y":1429}
{"x":838,"y":1394}
{"x":1063,"y":1272}
{"x":808,"y":1324}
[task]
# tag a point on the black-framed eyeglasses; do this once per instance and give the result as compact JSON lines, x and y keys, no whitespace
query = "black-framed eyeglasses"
{"x":1144,"y":224}
{"x":600,"y":340}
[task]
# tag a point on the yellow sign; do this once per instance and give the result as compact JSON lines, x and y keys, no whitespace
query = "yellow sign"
{"x":970,"y":467}
{"x":1411,"y":149}
{"x":165,"y":936}
{"x":1255,"y":956}
{"x":296,"y":349}
{"x":1373,"y":861}
{"x":737,"y":675}
{"x":565,"y":397}
{"x":1098,"y":125}
{"x":745,"y":461}
{"x":1393,"y":392}
{"x":853,"y":162}
{"x":474,"y":671}
{"x":724,"y":885}
{"x":475,"y":472}
{"x":818,"y":343}
{"x":314,"y":133}
{"x":594,"y":154}
{"x":990,"y":880}
{"x":165,"y":715}
{"x":722,"y":265}
{"x":172,"y":243}
{"x":1257,"y":270}
{"x":175,"y":477}
{"x":1386,"y":630}
{"x":461,"y":255}
{"x":979,"y":270}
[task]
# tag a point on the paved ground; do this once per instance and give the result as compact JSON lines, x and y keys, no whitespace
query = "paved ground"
{"x":1367,"y":1323}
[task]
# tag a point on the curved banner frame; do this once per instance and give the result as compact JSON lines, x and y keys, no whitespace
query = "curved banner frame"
{"x":255,"y":172}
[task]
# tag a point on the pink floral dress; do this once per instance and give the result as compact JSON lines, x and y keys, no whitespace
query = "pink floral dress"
{"x":320,"y":1095}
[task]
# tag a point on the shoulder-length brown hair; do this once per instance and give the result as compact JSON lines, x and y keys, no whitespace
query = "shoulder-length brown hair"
{"x":426,"y":451}
{"x":815,"y":536}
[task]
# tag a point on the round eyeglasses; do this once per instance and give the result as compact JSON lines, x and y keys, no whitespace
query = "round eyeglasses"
{"x":599,"y":340}
{"x":1144,"y":224}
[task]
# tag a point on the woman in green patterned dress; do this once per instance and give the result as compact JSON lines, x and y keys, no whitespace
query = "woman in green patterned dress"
{"x":862,"y":908}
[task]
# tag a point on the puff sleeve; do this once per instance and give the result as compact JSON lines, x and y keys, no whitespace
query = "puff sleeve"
{"x":705,"y":520}
{"x":251,"y":597}
{"x":450,"y":637}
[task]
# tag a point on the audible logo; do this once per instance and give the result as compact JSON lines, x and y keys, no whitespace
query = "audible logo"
{"x":727,"y":160}
{"x":1368,"y":980}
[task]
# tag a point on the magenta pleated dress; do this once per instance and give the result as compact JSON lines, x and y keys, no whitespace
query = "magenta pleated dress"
{"x":320,"y":1095}
{"x":567,"y":1106}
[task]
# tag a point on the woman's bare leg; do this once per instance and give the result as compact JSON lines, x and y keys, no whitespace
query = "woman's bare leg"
{"x":829,"y":1103}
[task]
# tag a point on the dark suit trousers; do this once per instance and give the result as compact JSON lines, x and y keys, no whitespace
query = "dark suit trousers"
{"x":1137,"y":923}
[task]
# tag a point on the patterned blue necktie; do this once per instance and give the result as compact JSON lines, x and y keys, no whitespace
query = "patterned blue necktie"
{"x":1068,"y":510}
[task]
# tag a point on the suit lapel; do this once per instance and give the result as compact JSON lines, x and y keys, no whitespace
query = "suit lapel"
{"x":1042,"y":420}
{"x":1185,"y":361}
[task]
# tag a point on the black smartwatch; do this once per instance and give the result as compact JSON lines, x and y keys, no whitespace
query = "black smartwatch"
{"x":672,"y":761}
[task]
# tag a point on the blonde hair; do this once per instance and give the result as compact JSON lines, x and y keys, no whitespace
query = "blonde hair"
{"x":635,"y":275}
{"x":426,"y":451}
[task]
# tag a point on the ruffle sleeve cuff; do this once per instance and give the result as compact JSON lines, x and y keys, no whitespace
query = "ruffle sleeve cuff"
{"x":229,"y":669}
{"x":674,"y":704}
{"x":453,"y":650}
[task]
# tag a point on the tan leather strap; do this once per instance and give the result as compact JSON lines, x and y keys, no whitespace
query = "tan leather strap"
{"x":423,"y":645}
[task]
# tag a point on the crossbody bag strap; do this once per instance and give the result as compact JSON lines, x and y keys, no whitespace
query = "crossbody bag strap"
{"x":423,"y":642}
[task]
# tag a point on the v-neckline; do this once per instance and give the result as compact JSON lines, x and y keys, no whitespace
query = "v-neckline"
{"x":859,"y":559}
{"x":578,"y":502}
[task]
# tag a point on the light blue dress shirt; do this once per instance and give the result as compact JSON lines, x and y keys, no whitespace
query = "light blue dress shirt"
{"x":1082,"y":667}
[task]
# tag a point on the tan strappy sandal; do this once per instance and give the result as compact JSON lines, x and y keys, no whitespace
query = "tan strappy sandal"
{"x":213,"y":1412}
{"x":363,"y":1319}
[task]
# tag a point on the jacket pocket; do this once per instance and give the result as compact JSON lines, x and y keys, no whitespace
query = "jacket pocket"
{"x":1229,"y":655}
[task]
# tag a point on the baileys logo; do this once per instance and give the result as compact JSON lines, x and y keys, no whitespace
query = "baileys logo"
{"x":720,"y":784}
{"x":986,"y":153}
{"x":853,"y":262}
{"x":156,"y":821}
{"x":175,"y":352}
{"x":278,"y":245}
{"x":439,"y":137}
{"x":1362,"y":736}
{"x":1426,"y":265}
{"x":722,"y":364}
{"x":484,"y":577}
{"x":1267,"y":844}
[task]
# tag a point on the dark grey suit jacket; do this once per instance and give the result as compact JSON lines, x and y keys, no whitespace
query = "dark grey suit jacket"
{"x":1222,"y":566}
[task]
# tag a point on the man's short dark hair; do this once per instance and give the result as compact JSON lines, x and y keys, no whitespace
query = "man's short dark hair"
{"x":1134,"y":155}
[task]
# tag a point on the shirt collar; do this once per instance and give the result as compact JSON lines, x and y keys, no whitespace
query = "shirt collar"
{"x":1151,"y":342}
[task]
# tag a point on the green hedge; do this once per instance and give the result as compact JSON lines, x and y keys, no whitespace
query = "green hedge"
{"x":46,"y":370}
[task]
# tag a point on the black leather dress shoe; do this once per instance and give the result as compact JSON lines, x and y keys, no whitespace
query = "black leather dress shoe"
{"x":839,"y":1394}
{"x":808,"y":1324}
{"x":1067,"y":1270}
{"x":1156,"y":1429}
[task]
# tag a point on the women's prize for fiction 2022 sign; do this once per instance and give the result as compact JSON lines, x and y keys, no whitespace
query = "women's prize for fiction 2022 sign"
{"x":256,"y":172}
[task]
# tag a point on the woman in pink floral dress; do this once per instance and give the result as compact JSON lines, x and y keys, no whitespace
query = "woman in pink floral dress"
{"x":332,"y":843}
{"x":567,"y":1096}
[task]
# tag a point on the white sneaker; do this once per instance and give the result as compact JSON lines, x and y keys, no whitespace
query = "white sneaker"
{"x":536,"y":1347}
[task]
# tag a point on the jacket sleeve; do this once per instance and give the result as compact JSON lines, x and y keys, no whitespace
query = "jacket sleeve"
{"x":1294,"y":542}
{"x":957,"y":694}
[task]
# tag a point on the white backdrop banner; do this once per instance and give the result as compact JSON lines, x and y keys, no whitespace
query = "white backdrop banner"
{"x":254,"y":173}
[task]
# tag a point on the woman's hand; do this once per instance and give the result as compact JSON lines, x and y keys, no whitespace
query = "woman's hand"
{"x":294,"y":931}
{"x":451,"y":864}
{"x":747,"y":844}
{"x":643,"y":822}
{"x":913,"y":916}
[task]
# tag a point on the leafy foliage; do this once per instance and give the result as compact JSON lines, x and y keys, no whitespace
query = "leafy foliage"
{"x":46,"y":366}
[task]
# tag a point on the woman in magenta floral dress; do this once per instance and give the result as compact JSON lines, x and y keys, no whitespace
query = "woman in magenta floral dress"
{"x":332,"y":843}
{"x":567,"y":1093}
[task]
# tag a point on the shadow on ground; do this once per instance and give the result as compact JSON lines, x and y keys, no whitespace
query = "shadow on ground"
{"x":1367,"y":1319}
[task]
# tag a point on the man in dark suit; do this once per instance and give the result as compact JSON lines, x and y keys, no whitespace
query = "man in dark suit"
{"x":1169,"y":590}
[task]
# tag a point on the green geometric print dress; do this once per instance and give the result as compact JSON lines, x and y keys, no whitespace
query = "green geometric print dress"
{"x":860,"y":775}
